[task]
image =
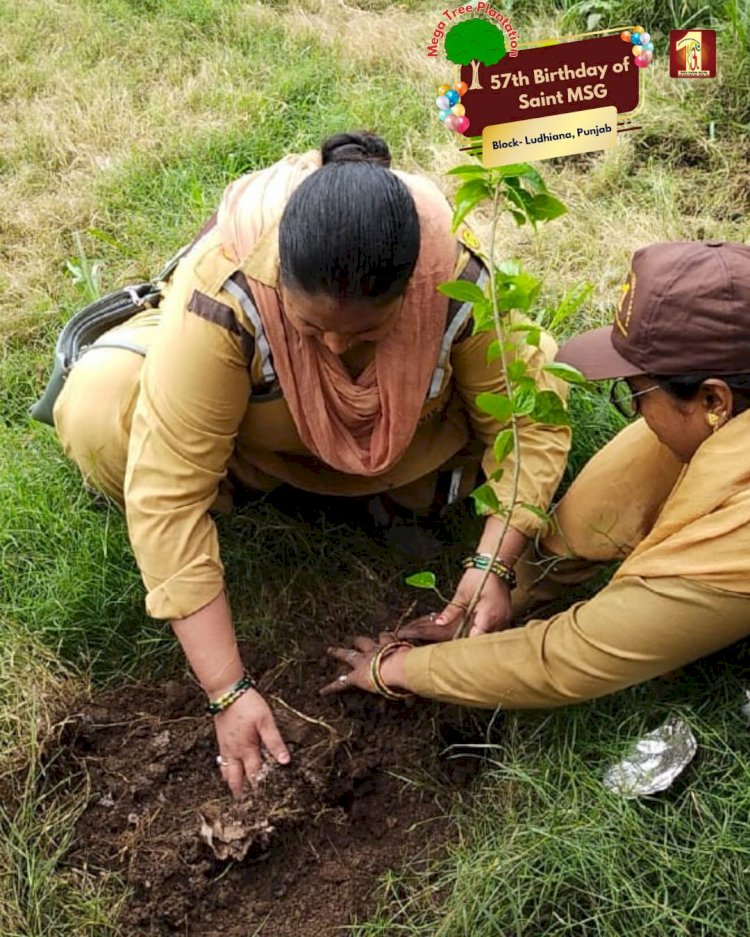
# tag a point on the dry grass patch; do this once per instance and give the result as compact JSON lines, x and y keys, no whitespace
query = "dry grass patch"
{"x":35,"y":691}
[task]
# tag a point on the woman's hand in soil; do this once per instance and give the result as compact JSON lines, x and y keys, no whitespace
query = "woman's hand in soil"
{"x":493,"y":611}
{"x":241,"y":730}
{"x":359,"y":659}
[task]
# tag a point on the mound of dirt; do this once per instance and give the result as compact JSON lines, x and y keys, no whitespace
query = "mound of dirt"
{"x":298,"y":857}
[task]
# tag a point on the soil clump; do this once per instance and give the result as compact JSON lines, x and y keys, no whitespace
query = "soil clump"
{"x":300,"y":856}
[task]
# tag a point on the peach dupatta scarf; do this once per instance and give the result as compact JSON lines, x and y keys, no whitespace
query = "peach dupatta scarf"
{"x":359,"y":426}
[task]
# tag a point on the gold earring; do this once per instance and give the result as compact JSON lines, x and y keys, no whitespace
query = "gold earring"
{"x":713,"y":421}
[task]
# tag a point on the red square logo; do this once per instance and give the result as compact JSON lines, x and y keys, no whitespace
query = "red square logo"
{"x":692,"y":53}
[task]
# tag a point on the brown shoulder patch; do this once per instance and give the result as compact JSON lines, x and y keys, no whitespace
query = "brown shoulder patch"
{"x":220,"y":314}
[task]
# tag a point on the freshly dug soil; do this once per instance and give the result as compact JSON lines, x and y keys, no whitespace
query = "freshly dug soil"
{"x":300,"y":856}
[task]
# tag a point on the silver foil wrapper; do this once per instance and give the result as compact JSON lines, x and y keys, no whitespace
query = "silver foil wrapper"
{"x":746,"y":706}
{"x":654,"y":761}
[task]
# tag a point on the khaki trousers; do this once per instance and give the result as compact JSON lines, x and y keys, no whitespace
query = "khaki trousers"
{"x":94,"y":411}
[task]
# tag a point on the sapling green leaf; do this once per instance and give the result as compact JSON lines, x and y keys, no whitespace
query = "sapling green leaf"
{"x":498,"y":406}
{"x":537,"y":512}
{"x":533,"y":332}
{"x":426,"y":580}
{"x":462,"y":290}
{"x":516,"y":370}
{"x":468,"y":195}
{"x":516,"y":291}
{"x":503,"y":445}
{"x":544,"y":207}
{"x":549,"y":409}
{"x":524,"y":399}
{"x":493,"y":351}
{"x":513,"y":169}
{"x":423,"y":580}
{"x":484,"y":320}
{"x":521,"y":199}
{"x":485,"y":500}
{"x":471,"y":171}
{"x":565,"y":372}
{"x":534,"y":179}
{"x":534,"y":338}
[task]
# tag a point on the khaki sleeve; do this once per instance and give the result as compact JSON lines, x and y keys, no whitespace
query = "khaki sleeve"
{"x":544,"y":449}
{"x":195,"y":386}
{"x":632,"y":631}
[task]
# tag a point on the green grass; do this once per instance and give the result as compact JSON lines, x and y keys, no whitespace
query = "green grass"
{"x":545,"y":850}
{"x":125,"y":130}
{"x":68,"y":573}
{"x":38,"y":899}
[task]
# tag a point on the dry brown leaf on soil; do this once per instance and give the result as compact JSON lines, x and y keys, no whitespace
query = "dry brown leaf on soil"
{"x":281,"y":794}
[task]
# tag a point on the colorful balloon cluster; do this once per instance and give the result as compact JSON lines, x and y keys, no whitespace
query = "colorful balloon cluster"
{"x":450,"y":109}
{"x":642,"y":47}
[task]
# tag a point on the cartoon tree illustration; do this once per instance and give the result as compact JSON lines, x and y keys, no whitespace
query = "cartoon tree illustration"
{"x":474,"y":42}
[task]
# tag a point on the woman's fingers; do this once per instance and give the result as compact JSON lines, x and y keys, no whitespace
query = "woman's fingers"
{"x":484,"y":619}
{"x":484,"y":628}
{"x":385,"y":638}
{"x":364,"y":644}
{"x":252,"y":763}
{"x":425,"y":628}
{"x":346,"y":655}
{"x":451,"y":614}
{"x":241,"y":729}
{"x":335,"y":686}
{"x":271,"y":738}
{"x":234,"y":775}
{"x":359,"y":662}
{"x":494,"y":611}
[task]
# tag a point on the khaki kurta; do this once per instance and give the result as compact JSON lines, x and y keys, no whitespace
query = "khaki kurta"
{"x":189,"y":417}
{"x":682,"y":593}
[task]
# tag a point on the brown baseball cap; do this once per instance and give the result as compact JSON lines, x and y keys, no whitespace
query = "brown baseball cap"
{"x":684,"y":308}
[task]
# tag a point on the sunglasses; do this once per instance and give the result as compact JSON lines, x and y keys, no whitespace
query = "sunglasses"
{"x":625,"y":400}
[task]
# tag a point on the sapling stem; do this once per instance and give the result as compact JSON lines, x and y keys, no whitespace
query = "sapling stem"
{"x":465,"y":623}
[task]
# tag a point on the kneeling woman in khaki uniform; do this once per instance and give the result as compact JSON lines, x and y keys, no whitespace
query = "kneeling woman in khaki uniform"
{"x":301,"y":340}
{"x":670,"y":496}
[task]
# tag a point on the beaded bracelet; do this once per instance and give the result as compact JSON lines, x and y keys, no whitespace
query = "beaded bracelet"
{"x":214,"y":707}
{"x":499,"y":568}
{"x":376,"y":676}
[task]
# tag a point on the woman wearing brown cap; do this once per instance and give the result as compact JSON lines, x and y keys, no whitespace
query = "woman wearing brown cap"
{"x":669,"y":496}
{"x":301,"y":339}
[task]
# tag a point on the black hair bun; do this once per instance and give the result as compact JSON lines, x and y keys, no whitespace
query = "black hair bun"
{"x":359,"y":146}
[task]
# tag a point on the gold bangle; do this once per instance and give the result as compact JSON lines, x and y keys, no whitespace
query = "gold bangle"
{"x":377,"y":678}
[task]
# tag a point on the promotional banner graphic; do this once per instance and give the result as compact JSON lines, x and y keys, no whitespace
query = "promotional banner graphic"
{"x":552,"y":98}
